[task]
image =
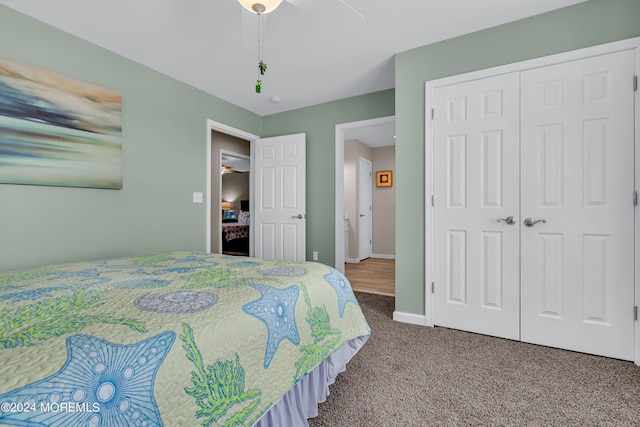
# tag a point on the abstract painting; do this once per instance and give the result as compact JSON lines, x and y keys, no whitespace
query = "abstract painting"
{"x":55,"y":130}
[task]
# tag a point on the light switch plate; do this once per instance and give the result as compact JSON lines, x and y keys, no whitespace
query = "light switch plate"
{"x":197,"y":197}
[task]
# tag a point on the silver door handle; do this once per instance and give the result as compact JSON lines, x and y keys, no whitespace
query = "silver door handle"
{"x":530,"y":222}
{"x":509,"y":220}
{"x":299,"y":216}
{"x":361,"y":215}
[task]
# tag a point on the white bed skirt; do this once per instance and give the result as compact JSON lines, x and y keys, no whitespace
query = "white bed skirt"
{"x":301,"y":402}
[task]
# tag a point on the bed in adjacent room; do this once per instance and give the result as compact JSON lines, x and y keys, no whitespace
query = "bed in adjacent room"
{"x":173,"y":339}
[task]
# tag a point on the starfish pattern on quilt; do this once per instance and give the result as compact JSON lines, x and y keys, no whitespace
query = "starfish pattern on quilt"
{"x":32,"y":294}
{"x":276,"y":308}
{"x":342,"y":287}
{"x":88,"y":272}
{"x":91,"y":277}
{"x":107,"y":384}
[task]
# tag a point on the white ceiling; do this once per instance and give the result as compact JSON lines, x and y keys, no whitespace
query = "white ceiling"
{"x":316,"y":50}
{"x":378,"y":135}
{"x":237,"y":163}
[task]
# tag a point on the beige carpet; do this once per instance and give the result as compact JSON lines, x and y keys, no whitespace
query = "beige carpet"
{"x":408,"y":375}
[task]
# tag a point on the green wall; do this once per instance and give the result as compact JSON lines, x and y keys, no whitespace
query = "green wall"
{"x":319,"y":123}
{"x":586,"y":24}
{"x":164,"y":151}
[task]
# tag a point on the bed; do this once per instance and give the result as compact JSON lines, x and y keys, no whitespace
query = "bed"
{"x":235,"y":238}
{"x":173,"y":339}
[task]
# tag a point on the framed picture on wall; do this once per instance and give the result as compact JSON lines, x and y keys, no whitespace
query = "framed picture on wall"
{"x":56,"y":130}
{"x":384,"y":178}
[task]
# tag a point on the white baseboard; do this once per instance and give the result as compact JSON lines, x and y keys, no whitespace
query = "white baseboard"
{"x":414,"y":319}
{"x":383,"y":256}
{"x":357,"y":260}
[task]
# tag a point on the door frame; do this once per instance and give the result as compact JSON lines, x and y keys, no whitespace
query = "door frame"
{"x":238,"y":133}
{"x":339,"y":190}
{"x":430,"y":86}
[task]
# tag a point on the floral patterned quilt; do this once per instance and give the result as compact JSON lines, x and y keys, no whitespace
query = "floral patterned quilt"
{"x":173,"y":339}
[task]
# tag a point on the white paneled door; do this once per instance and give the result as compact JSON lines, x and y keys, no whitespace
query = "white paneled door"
{"x":279,"y":216}
{"x":476,"y":156}
{"x":578,"y":182}
{"x":365,"y":223}
{"x":534,"y":213}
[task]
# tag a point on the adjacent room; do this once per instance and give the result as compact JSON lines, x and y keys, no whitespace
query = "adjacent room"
{"x":319,"y":213}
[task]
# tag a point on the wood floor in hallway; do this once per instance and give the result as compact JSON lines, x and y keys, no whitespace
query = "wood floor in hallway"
{"x":373,"y":275}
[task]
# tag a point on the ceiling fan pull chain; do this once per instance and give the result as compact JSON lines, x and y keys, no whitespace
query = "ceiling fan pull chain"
{"x":262,"y":67}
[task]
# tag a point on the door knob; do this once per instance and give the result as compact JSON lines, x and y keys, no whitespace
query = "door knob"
{"x":530,"y":222}
{"x":509,"y":220}
{"x":299,"y":216}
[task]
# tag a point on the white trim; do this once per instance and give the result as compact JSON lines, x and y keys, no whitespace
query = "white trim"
{"x":414,"y":319}
{"x":378,"y":256}
{"x":238,"y":133}
{"x":543,"y":61}
{"x":339,"y":201}
{"x":383,"y":256}
{"x":430,"y":86}
{"x":428,"y":209}
{"x":637,"y":209}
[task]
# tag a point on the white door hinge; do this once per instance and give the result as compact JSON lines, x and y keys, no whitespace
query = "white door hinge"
{"x":433,"y":287}
{"x":635,"y":312}
{"x":433,"y":113}
{"x":635,"y":198}
{"x":432,"y":200}
{"x":635,"y":83}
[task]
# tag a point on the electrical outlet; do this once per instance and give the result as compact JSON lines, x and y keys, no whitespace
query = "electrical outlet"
{"x":315,"y":255}
{"x":197,"y":197}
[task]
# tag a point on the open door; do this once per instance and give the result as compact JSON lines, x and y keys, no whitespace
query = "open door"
{"x":279,"y":216}
{"x":365,"y":223}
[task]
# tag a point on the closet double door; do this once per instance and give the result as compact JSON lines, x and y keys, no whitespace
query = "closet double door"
{"x":534,"y":205}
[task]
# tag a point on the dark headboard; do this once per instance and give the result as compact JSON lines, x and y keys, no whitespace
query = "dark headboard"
{"x":244,"y":205}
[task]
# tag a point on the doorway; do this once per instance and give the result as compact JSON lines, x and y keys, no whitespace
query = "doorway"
{"x":235,"y":185}
{"x":354,"y":141}
{"x":221,"y":137}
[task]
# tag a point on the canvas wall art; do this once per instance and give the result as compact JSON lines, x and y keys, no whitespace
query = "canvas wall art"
{"x":55,"y":130}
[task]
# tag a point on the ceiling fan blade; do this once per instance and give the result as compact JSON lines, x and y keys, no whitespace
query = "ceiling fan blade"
{"x":351,"y":8}
{"x":300,"y":4}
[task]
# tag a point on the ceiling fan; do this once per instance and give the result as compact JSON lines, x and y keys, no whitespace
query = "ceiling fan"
{"x":263,"y":7}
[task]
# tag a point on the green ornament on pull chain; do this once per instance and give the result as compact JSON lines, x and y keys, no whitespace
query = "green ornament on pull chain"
{"x":263,"y":69}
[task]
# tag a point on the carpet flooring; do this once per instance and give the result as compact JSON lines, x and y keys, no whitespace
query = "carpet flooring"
{"x":409,"y":375}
